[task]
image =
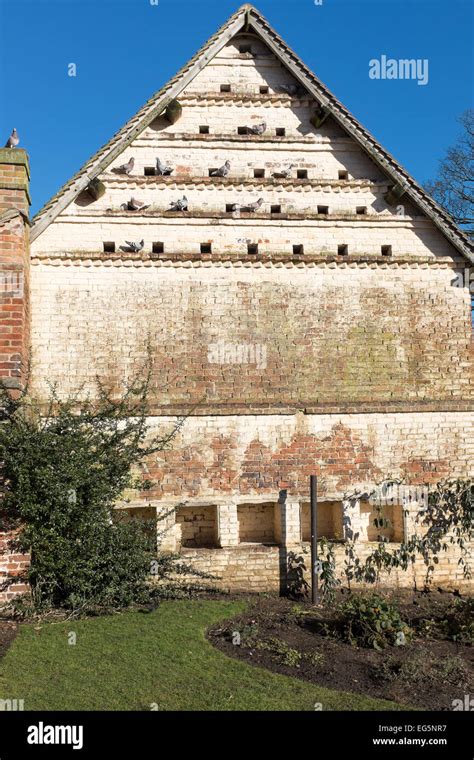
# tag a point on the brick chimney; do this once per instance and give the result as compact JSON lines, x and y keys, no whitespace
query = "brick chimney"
{"x":14,"y":266}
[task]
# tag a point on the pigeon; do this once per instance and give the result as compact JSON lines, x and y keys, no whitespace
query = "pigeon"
{"x":223,"y":171}
{"x":125,"y":168}
{"x":283,"y":174}
{"x":163,"y":170}
{"x":131,"y":246}
{"x":292,"y":89}
{"x":251,"y":208}
{"x":13,"y":141}
{"x":258,"y":129}
{"x":133,"y":205}
{"x":179,"y":205}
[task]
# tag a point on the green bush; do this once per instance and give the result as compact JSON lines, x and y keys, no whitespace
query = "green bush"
{"x":369,"y":620}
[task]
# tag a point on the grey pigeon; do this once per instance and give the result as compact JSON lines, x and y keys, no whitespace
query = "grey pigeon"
{"x":292,"y":89}
{"x":251,"y":208}
{"x":163,"y":170}
{"x":131,"y":246}
{"x":13,"y":141}
{"x":125,"y":168}
{"x":223,"y":171}
{"x":258,"y":129}
{"x":133,"y":205}
{"x":284,"y":174}
{"x":179,"y":205}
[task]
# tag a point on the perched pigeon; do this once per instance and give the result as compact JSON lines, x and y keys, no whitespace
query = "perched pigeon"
{"x":13,"y":141}
{"x":223,"y":171}
{"x":163,"y":170}
{"x":258,"y":129}
{"x":284,"y":174}
{"x":131,"y":246}
{"x":179,"y":205}
{"x":252,"y":207}
{"x":125,"y":168}
{"x":292,"y":89}
{"x":133,"y":205}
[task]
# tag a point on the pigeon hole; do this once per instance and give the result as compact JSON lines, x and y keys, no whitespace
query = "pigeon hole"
{"x":343,"y":174}
{"x":245,"y":48}
{"x":213,"y":170}
{"x":203,"y":129}
{"x":158,"y":247}
{"x":206,"y":248}
{"x":302,"y":174}
{"x":229,"y":208}
{"x":242,"y":130}
{"x":343,"y":249}
{"x":386,"y":250}
{"x":109,"y":247}
{"x":275,"y":209}
{"x":259,"y":173}
{"x":264,"y":89}
{"x":150,"y":171}
{"x":323,"y":209}
{"x":252,"y":248}
{"x":361,"y":210}
{"x":280,"y":132}
{"x":226,"y":88}
{"x":298,"y":249}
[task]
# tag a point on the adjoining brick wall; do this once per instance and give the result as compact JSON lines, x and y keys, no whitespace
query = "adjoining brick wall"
{"x":14,"y":319}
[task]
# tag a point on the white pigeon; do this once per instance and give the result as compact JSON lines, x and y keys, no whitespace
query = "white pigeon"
{"x":134,"y":205}
{"x":250,"y":208}
{"x":284,"y":174}
{"x":223,"y":171}
{"x":163,"y":170}
{"x":125,"y":168}
{"x":13,"y":141}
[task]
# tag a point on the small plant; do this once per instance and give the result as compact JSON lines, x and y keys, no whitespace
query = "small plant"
{"x":369,"y":620}
{"x":459,"y":623}
{"x":282,"y":652}
{"x":316,"y":659}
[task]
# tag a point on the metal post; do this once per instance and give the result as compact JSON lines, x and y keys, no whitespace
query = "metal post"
{"x":314,"y":538}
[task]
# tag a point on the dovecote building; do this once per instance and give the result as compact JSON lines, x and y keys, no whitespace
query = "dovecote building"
{"x":299,"y":305}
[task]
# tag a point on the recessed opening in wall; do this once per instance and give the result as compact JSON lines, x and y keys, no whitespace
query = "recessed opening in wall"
{"x":343,"y":174}
{"x":212,"y":171}
{"x":330,"y":520}
{"x":323,"y":209}
{"x":197,"y":527}
{"x":302,"y":174}
{"x":385,"y":523}
{"x":226,"y":88}
{"x":298,"y":249}
{"x":343,"y":249}
{"x":275,"y":209}
{"x":158,"y":247}
{"x":386,"y":250}
{"x":203,"y":130}
{"x":244,"y":47}
{"x":256,"y":523}
{"x":280,"y":131}
{"x":259,"y":173}
{"x":149,"y":171}
{"x":229,"y":208}
{"x":242,"y":131}
{"x":252,"y":248}
{"x":109,"y":247}
{"x":361,"y":210}
{"x":206,"y":248}
{"x":264,"y":89}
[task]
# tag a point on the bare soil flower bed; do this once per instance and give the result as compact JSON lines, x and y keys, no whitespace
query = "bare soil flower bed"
{"x":432,"y":669}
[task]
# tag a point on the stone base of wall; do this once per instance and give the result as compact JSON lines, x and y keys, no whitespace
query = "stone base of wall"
{"x":258,"y":568}
{"x":12,"y":569}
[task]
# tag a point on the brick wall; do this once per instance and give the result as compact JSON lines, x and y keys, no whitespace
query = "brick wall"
{"x":14,"y":318}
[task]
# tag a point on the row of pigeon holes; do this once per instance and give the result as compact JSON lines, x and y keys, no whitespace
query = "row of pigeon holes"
{"x":150,"y":171}
{"x":252,"y":248}
{"x":204,"y":129}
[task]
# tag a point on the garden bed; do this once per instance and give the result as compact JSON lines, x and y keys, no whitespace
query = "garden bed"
{"x":429,"y":671}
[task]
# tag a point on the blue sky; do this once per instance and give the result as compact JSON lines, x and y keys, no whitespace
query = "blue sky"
{"x":125,"y":50}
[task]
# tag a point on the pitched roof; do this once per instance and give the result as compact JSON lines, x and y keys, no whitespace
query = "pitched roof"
{"x":245,"y":19}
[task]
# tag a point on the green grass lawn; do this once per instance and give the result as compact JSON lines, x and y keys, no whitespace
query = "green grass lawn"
{"x":129,"y":661}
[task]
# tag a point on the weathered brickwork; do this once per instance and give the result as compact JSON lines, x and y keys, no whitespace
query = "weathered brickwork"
{"x":323,"y":333}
